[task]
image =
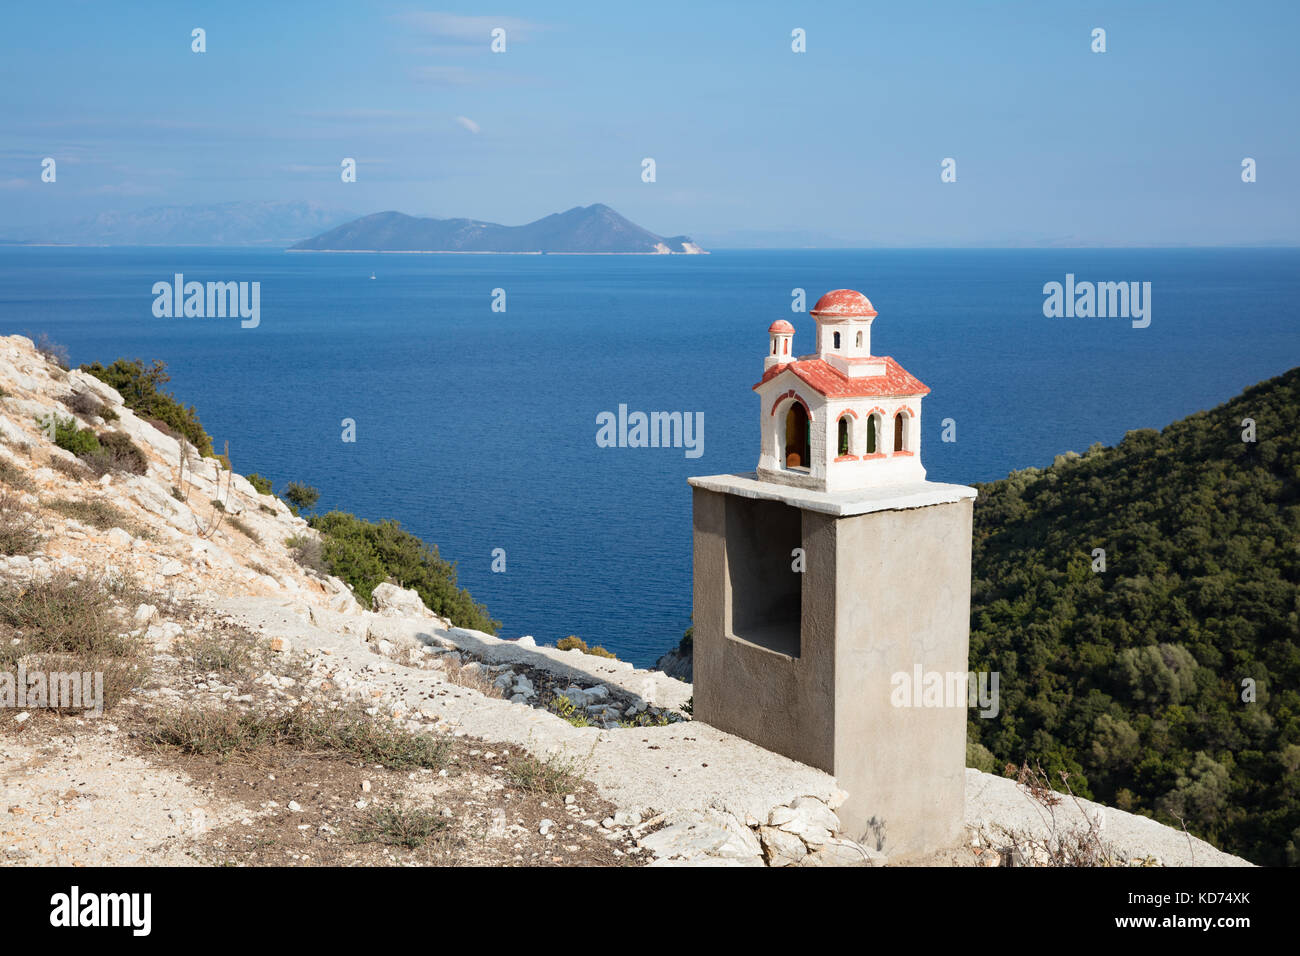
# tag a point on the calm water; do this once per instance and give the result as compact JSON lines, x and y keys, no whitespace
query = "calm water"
{"x":477,"y":429}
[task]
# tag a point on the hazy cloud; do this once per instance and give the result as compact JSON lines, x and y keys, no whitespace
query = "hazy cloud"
{"x":468,"y":123}
{"x":454,"y":26}
{"x":442,"y":75}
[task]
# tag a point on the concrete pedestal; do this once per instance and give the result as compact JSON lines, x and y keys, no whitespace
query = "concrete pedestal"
{"x":805,"y":664}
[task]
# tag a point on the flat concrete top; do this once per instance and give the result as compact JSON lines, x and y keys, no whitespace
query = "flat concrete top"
{"x":861,"y":501}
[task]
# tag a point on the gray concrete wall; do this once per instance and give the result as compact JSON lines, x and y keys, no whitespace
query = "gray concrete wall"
{"x":903,"y":599}
{"x":775,"y":700}
{"x":882,"y":593}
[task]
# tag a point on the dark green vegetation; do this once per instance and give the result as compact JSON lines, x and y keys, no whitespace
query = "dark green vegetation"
{"x":368,"y":553}
{"x":71,"y":438}
{"x":1136,"y":679}
{"x":100,"y":453}
{"x":139,"y":387}
{"x":301,"y":496}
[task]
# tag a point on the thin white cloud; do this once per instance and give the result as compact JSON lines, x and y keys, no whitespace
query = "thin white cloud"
{"x":442,"y":75}
{"x":456,"y":26}
{"x":468,"y":123}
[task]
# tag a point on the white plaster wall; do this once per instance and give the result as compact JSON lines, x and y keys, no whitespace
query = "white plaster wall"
{"x":827,"y":474}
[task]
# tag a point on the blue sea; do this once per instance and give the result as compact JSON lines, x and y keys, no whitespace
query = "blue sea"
{"x":476,"y":429}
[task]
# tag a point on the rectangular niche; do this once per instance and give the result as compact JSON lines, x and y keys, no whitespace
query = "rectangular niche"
{"x":765,"y":593}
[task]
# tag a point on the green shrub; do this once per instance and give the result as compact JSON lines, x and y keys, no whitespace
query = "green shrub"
{"x":301,"y":496}
{"x":88,"y":406}
{"x":139,"y":388}
{"x":572,"y":642}
{"x":116,"y":452}
{"x":566,"y":709}
{"x":69,"y":437}
{"x":262,"y":485}
{"x":366,"y":554}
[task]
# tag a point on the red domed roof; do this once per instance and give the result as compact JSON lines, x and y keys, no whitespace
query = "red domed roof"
{"x":780,"y":326}
{"x":844,"y":302}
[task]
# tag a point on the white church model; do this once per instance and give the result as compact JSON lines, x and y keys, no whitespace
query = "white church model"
{"x":840,"y":419}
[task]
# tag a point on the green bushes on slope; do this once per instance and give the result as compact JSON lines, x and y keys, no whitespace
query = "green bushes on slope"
{"x":139,"y":388}
{"x":1132,"y":679}
{"x":367,"y":553}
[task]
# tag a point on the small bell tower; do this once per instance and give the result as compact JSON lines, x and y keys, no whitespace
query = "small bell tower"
{"x":781,"y":334}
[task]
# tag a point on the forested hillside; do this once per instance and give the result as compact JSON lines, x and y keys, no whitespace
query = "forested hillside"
{"x":1137,"y":679}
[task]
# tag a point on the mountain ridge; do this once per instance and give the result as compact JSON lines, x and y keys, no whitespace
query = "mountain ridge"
{"x":240,"y":223}
{"x":582,"y":230}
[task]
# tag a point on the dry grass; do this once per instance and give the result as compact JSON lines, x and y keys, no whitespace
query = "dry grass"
{"x":14,"y":477}
{"x":553,"y":776}
{"x":1062,"y":845}
{"x":87,"y":405}
{"x":70,"y":469}
{"x":66,"y":624}
{"x":98,"y":514}
{"x":471,"y":675}
{"x":242,"y":527}
{"x":308,"y":551}
{"x":410,"y":828}
{"x":55,"y":352}
{"x":232,"y":653}
{"x":228,"y":731}
{"x":17,"y":527}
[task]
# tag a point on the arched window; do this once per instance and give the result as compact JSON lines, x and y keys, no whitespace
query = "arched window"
{"x":843,"y":439}
{"x":900,"y":427}
{"x":837,"y":341}
{"x":873,"y":428}
{"x":774,"y":346}
{"x":798,"y":437}
{"x":859,"y":338}
{"x":787,"y":346}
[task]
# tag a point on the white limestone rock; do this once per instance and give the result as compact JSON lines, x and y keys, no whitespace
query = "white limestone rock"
{"x":781,"y":848}
{"x":843,"y":853}
{"x":392,"y":601}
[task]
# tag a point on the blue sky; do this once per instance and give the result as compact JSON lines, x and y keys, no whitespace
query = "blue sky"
{"x":753,"y":143}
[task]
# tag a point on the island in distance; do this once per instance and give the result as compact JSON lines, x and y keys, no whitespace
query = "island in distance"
{"x":582,"y":230}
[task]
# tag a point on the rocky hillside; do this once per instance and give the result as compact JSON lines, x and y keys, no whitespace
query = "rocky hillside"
{"x":256,"y":713}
